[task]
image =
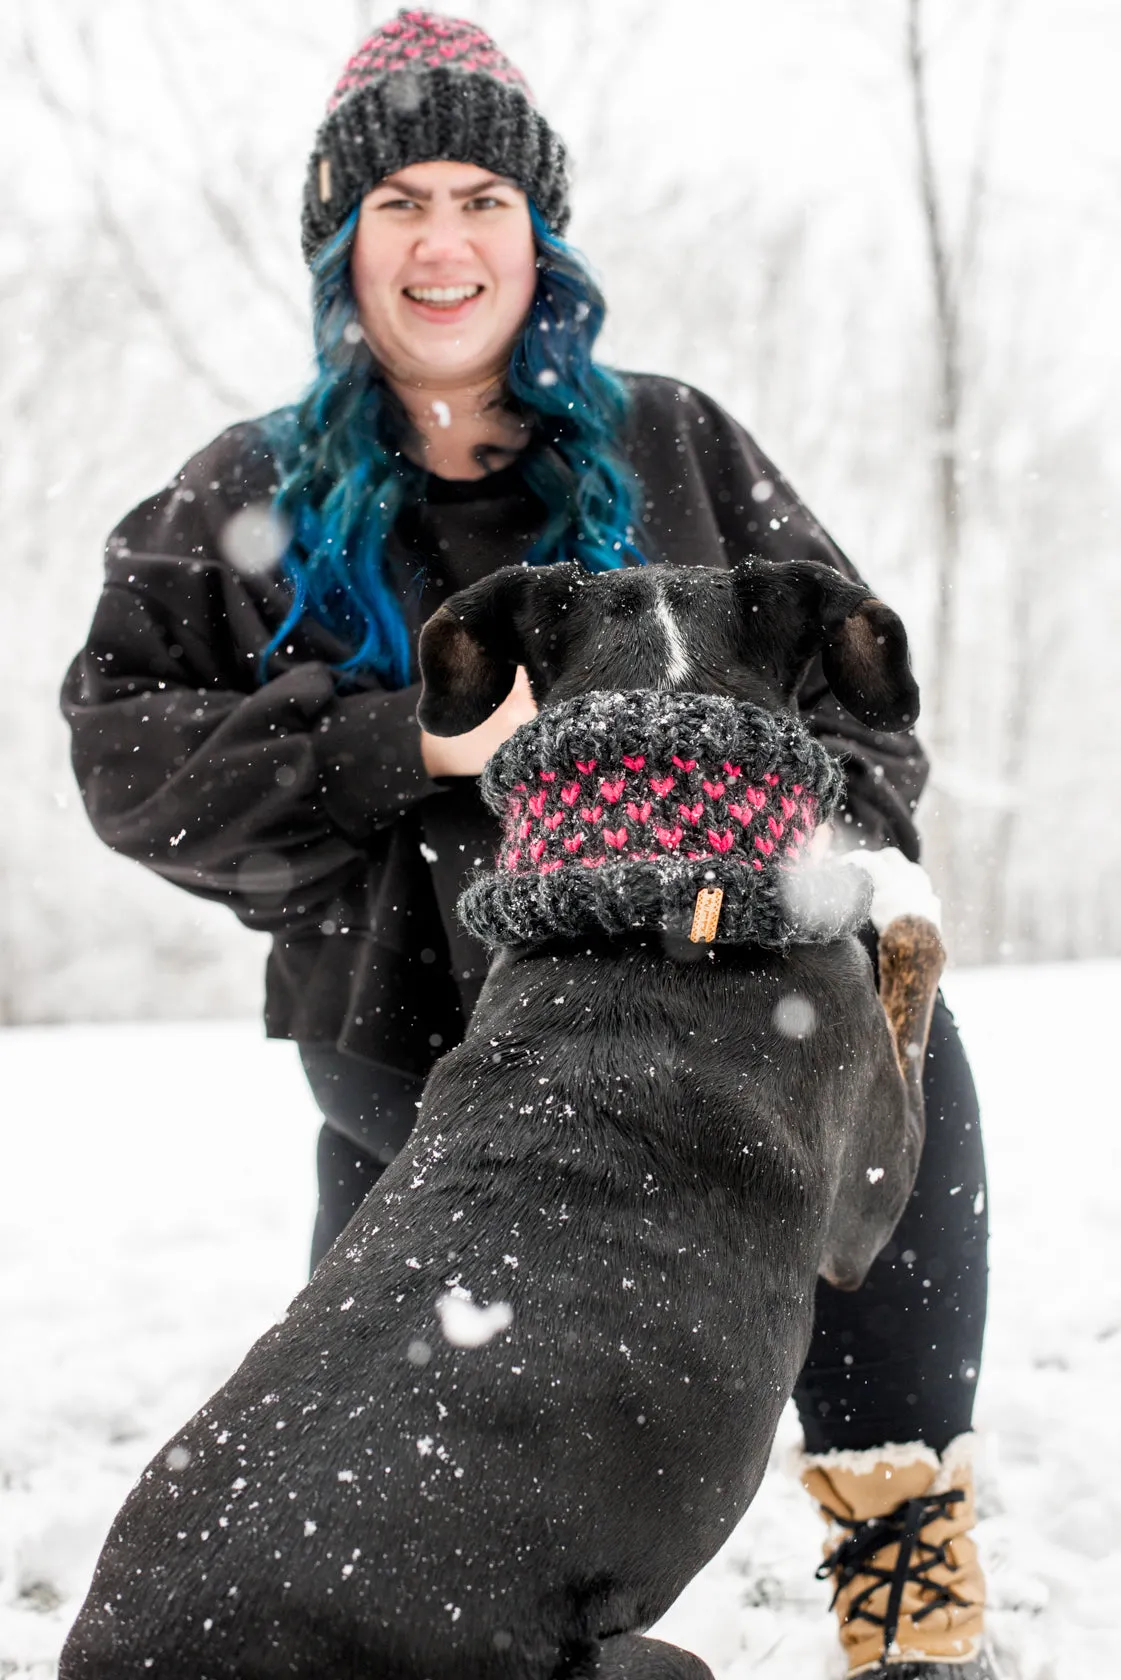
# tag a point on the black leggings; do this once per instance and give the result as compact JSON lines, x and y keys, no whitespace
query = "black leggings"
{"x":368,"y":1112}
{"x":897,"y":1360}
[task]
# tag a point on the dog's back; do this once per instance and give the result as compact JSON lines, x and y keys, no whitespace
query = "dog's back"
{"x":627,"y":1153}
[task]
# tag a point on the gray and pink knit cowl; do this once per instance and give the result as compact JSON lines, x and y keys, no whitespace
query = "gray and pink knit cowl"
{"x":619,"y":809}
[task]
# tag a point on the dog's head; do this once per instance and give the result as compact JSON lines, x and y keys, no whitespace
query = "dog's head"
{"x":750,"y":633}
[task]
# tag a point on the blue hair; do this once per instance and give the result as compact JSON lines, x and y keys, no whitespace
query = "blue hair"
{"x":346,"y":478}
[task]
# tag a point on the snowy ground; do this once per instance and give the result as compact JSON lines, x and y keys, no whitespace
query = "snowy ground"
{"x":135,"y":1273}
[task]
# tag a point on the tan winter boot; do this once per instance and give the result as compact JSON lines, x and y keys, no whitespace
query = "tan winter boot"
{"x":908,"y":1588}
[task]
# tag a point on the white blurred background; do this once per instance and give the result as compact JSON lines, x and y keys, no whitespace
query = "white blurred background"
{"x":885,"y":235}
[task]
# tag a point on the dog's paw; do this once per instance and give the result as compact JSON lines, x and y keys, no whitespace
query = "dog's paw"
{"x":899,"y":887}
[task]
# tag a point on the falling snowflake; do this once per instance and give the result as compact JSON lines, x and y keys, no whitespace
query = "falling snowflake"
{"x":469,"y":1326}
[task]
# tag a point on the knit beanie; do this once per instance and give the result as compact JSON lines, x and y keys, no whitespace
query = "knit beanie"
{"x":419,"y":88}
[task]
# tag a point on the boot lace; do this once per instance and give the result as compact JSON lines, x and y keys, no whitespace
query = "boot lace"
{"x":914,"y":1560}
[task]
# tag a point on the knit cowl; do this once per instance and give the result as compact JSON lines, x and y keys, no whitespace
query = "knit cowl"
{"x":620,"y":809}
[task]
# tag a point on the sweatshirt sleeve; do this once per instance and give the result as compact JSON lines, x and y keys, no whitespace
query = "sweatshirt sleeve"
{"x":759,"y":513}
{"x":262,"y":796}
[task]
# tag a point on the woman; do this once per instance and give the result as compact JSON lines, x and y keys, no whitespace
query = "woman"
{"x":243,"y":718}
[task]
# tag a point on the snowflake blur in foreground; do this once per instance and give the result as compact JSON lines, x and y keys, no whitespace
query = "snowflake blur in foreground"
{"x":254,"y":539}
{"x":468,"y":1326}
{"x":794,"y":1016}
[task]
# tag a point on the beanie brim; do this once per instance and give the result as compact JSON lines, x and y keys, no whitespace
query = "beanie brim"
{"x":424,"y":116}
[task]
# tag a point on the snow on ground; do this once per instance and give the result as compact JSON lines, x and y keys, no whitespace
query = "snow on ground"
{"x":155,"y":1206}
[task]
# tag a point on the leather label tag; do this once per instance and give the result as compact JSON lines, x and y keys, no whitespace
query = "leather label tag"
{"x":706,"y":915}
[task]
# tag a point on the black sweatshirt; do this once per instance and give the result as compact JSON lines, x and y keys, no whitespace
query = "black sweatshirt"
{"x":305,"y":806}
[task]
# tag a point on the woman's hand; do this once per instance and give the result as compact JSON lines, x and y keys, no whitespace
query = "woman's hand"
{"x":899,"y":887}
{"x":465,"y":755}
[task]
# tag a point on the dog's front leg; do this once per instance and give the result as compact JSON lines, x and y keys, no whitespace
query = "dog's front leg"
{"x":905,"y":913}
{"x":912,"y":957}
{"x":882,"y":1156}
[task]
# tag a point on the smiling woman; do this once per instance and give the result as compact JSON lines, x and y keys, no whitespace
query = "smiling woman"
{"x":444,"y":268}
{"x":244,"y":710}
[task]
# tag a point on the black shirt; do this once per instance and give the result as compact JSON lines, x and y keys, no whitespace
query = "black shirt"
{"x":306,"y":807}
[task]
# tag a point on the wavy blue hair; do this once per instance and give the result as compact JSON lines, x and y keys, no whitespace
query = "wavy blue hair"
{"x":346,"y":477}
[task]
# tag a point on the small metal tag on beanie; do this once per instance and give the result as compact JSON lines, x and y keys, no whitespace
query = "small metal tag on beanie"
{"x":324,"y":180}
{"x":706,"y":915}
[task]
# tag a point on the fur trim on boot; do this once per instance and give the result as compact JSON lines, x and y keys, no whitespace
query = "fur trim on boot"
{"x":908,"y":1588}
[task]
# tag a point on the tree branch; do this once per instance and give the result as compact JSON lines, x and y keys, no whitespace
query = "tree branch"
{"x":133,"y":267}
{"x":979,"y":174}
{"x":949,"y":386}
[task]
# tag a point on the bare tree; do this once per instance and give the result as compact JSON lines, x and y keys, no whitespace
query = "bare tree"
{"x":951,"y":264}
{"x":948,"y":374}
{"x":91,"y":142}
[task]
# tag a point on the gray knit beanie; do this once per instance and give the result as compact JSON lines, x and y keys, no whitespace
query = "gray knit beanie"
{"x":424,"y":87}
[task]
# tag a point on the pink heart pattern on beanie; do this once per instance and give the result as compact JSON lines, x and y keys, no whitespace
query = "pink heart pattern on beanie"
{"x":416,"y":39}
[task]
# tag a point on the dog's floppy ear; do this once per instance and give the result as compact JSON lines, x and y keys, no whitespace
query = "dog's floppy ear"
{"x":864,"y":650}
{"x":471,"y":647}
{"x":470,"y":650}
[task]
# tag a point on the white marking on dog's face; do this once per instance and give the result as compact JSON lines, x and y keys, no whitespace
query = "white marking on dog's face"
{"x":677,"y":656}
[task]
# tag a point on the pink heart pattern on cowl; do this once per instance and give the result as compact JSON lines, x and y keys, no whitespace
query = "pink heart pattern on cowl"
{"x":649,"y":798}
{"x":723,"y":814}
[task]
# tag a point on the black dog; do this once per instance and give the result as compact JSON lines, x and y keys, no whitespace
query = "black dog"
{"x":533,"y":1387}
